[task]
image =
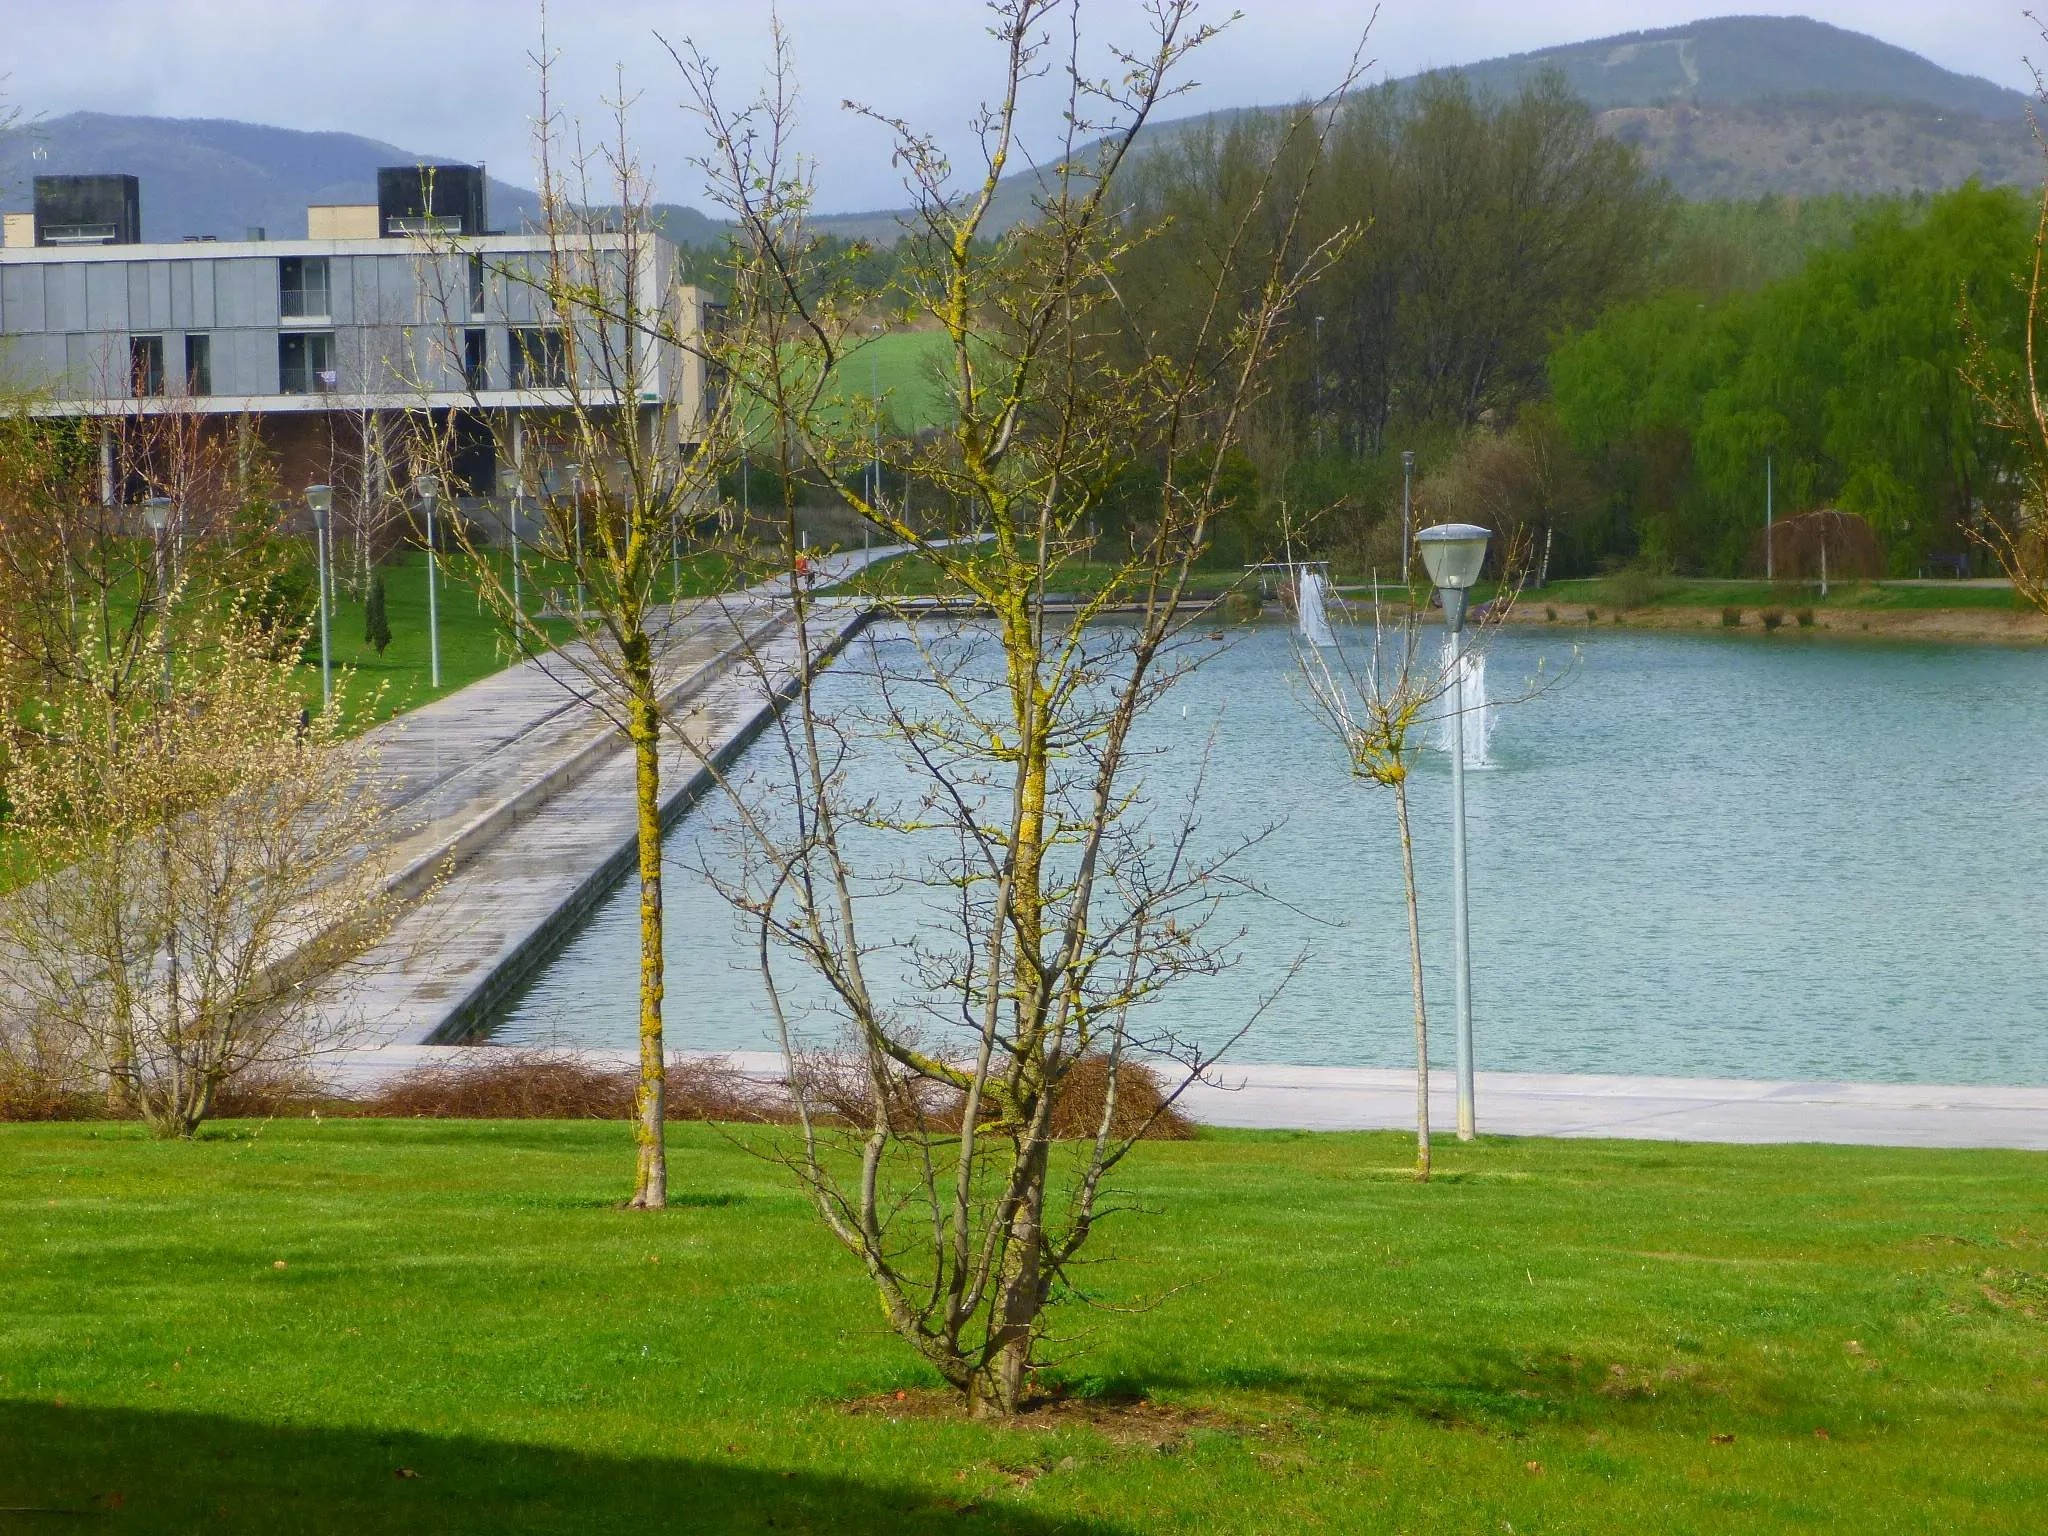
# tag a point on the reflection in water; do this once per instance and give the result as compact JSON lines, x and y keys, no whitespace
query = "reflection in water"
{"x":1698,"y":856}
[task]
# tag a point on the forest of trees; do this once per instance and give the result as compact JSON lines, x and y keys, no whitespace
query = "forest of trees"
{"x":1569,"y":350}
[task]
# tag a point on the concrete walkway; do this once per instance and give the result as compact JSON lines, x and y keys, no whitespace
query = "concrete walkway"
{"x":523,"y":752}
{"x":1510,"y":1103}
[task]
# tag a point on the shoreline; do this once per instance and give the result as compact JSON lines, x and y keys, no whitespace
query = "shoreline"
{"x":1978,"y":626}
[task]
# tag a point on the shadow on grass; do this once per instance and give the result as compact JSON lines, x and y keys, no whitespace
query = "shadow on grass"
{"x":73,"y":1469}
{"x":1490,"y":1390}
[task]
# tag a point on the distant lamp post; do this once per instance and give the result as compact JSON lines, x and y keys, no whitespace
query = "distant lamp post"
{"x":518,"y":608}
{"x":576,"y":501}
{"x":1318,"y":370}
{"x":1453,"y":553}
{"x":875,"y":388}
{"x":1407,"y":514}
{"x":320,"y":502}
{"x":429,"y":487}
{"x":156,"y":513}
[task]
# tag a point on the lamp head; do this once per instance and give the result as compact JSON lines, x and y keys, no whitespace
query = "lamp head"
{"x":429,"y":487}
{"x":320,"y":502}
{"x":1452,"y":553}
{"x":156,"y":512}
{"x":1408,"y":459}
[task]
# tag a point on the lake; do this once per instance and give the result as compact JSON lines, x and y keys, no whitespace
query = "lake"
{"x":1714,"y":856}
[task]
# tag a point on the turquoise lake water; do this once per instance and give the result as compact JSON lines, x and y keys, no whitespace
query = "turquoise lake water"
{"x":1713,"y":856}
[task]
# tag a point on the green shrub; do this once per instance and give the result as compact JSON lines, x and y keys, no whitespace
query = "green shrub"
{"x":376,"y":621}
{"x":1805,"y":618}
{"x":1592,"y":614}
{"x":1731,"y":618}
{"x":1550,"y":614}
{"x":1242,"y":607}
{"x":1774,"y":618}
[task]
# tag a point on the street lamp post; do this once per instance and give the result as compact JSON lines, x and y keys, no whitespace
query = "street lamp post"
{"x":875,"y":389}
{"x":320,"y":502}
{"x":518,"y":608}
{"x":1770,"y":562}
{"x":430,"y":487}
{"x":156,"y":512}
{"x":1319,"y":383}
{"x":1452,"y":553}
{"x":1407,"y":514}
{"x":576,"y":498}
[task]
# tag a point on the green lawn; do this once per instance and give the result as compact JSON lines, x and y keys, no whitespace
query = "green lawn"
{"x":467,"y":1335}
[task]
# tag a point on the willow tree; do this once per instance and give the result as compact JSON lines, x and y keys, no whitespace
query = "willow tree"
{"x":1055,"y":894}
{"x":609,"y":470}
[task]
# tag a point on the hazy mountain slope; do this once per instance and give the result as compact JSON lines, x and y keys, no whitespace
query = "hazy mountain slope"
{"x":1736,"y":106}
{"x":210,"y":176}
{"x":1746,"y":59}
{"x":1809,"y":147}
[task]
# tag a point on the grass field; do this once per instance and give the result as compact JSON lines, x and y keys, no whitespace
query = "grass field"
{"x":438,"y":1326}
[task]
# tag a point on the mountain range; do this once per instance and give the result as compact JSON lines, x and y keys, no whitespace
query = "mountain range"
{"x":1733,"y":107}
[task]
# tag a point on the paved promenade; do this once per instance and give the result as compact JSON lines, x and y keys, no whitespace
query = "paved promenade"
{"x":519,"y":802}
{"x":1519,"y":1104}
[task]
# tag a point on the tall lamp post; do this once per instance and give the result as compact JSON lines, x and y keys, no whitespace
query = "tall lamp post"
{"x":875,"y":389}
{"x":576,"y":501}
{"x":518,"y":501}
{"x":1770,"y":562}
{"x":156,"y":512}
{"x":429,"y":487}
{"x":1452,"y":553}
{"x":1407,"y":514}
{"x":1319,"y":383}
{"x":320,"y":502}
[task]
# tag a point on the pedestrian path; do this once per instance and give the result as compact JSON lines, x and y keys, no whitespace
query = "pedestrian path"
{"x":1510,"y":1103}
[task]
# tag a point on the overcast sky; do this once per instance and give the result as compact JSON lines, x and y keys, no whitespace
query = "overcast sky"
{"x":454,"y":78}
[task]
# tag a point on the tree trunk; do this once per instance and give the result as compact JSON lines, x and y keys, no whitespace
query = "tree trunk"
{"x":1000,"y":1389}
{"x":1415,"y":972}
{"x":650,"y":1190}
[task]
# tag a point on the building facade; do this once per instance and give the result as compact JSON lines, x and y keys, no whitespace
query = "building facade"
{"x":327,"y":348}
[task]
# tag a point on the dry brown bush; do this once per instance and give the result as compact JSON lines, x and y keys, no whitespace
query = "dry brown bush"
{"x":495,"y":1084}
{"x":838,"y":1085}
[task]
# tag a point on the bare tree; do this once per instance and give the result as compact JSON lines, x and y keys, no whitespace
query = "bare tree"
{"x":604,"y":342}
{"x":1053,"y":905}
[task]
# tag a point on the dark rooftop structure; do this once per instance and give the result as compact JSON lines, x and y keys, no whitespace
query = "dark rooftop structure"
{"x":88,"y":210}
{"x":421,"y":199}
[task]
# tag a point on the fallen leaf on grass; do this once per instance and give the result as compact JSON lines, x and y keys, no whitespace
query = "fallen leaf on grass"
{"x":277,"y":1264}
{"x":1536,"y":1467}
{"x":403,"y":1472}
{"x":1723,"y":1439}
{"x":1821,"y":1434}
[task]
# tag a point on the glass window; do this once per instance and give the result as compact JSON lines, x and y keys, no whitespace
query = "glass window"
{"x":302,"y":292}
{"x":198,"y":365}
{"x":146,"y":365}
{"x":539,"y":357}
{"x":476,"y":360}
{"x":476,"y":285}
{"x":305,"y":362}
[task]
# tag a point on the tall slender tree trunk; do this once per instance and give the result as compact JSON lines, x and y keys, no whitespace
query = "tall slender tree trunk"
{"x":1415,"y":973}
{"x":650,"y":1190}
